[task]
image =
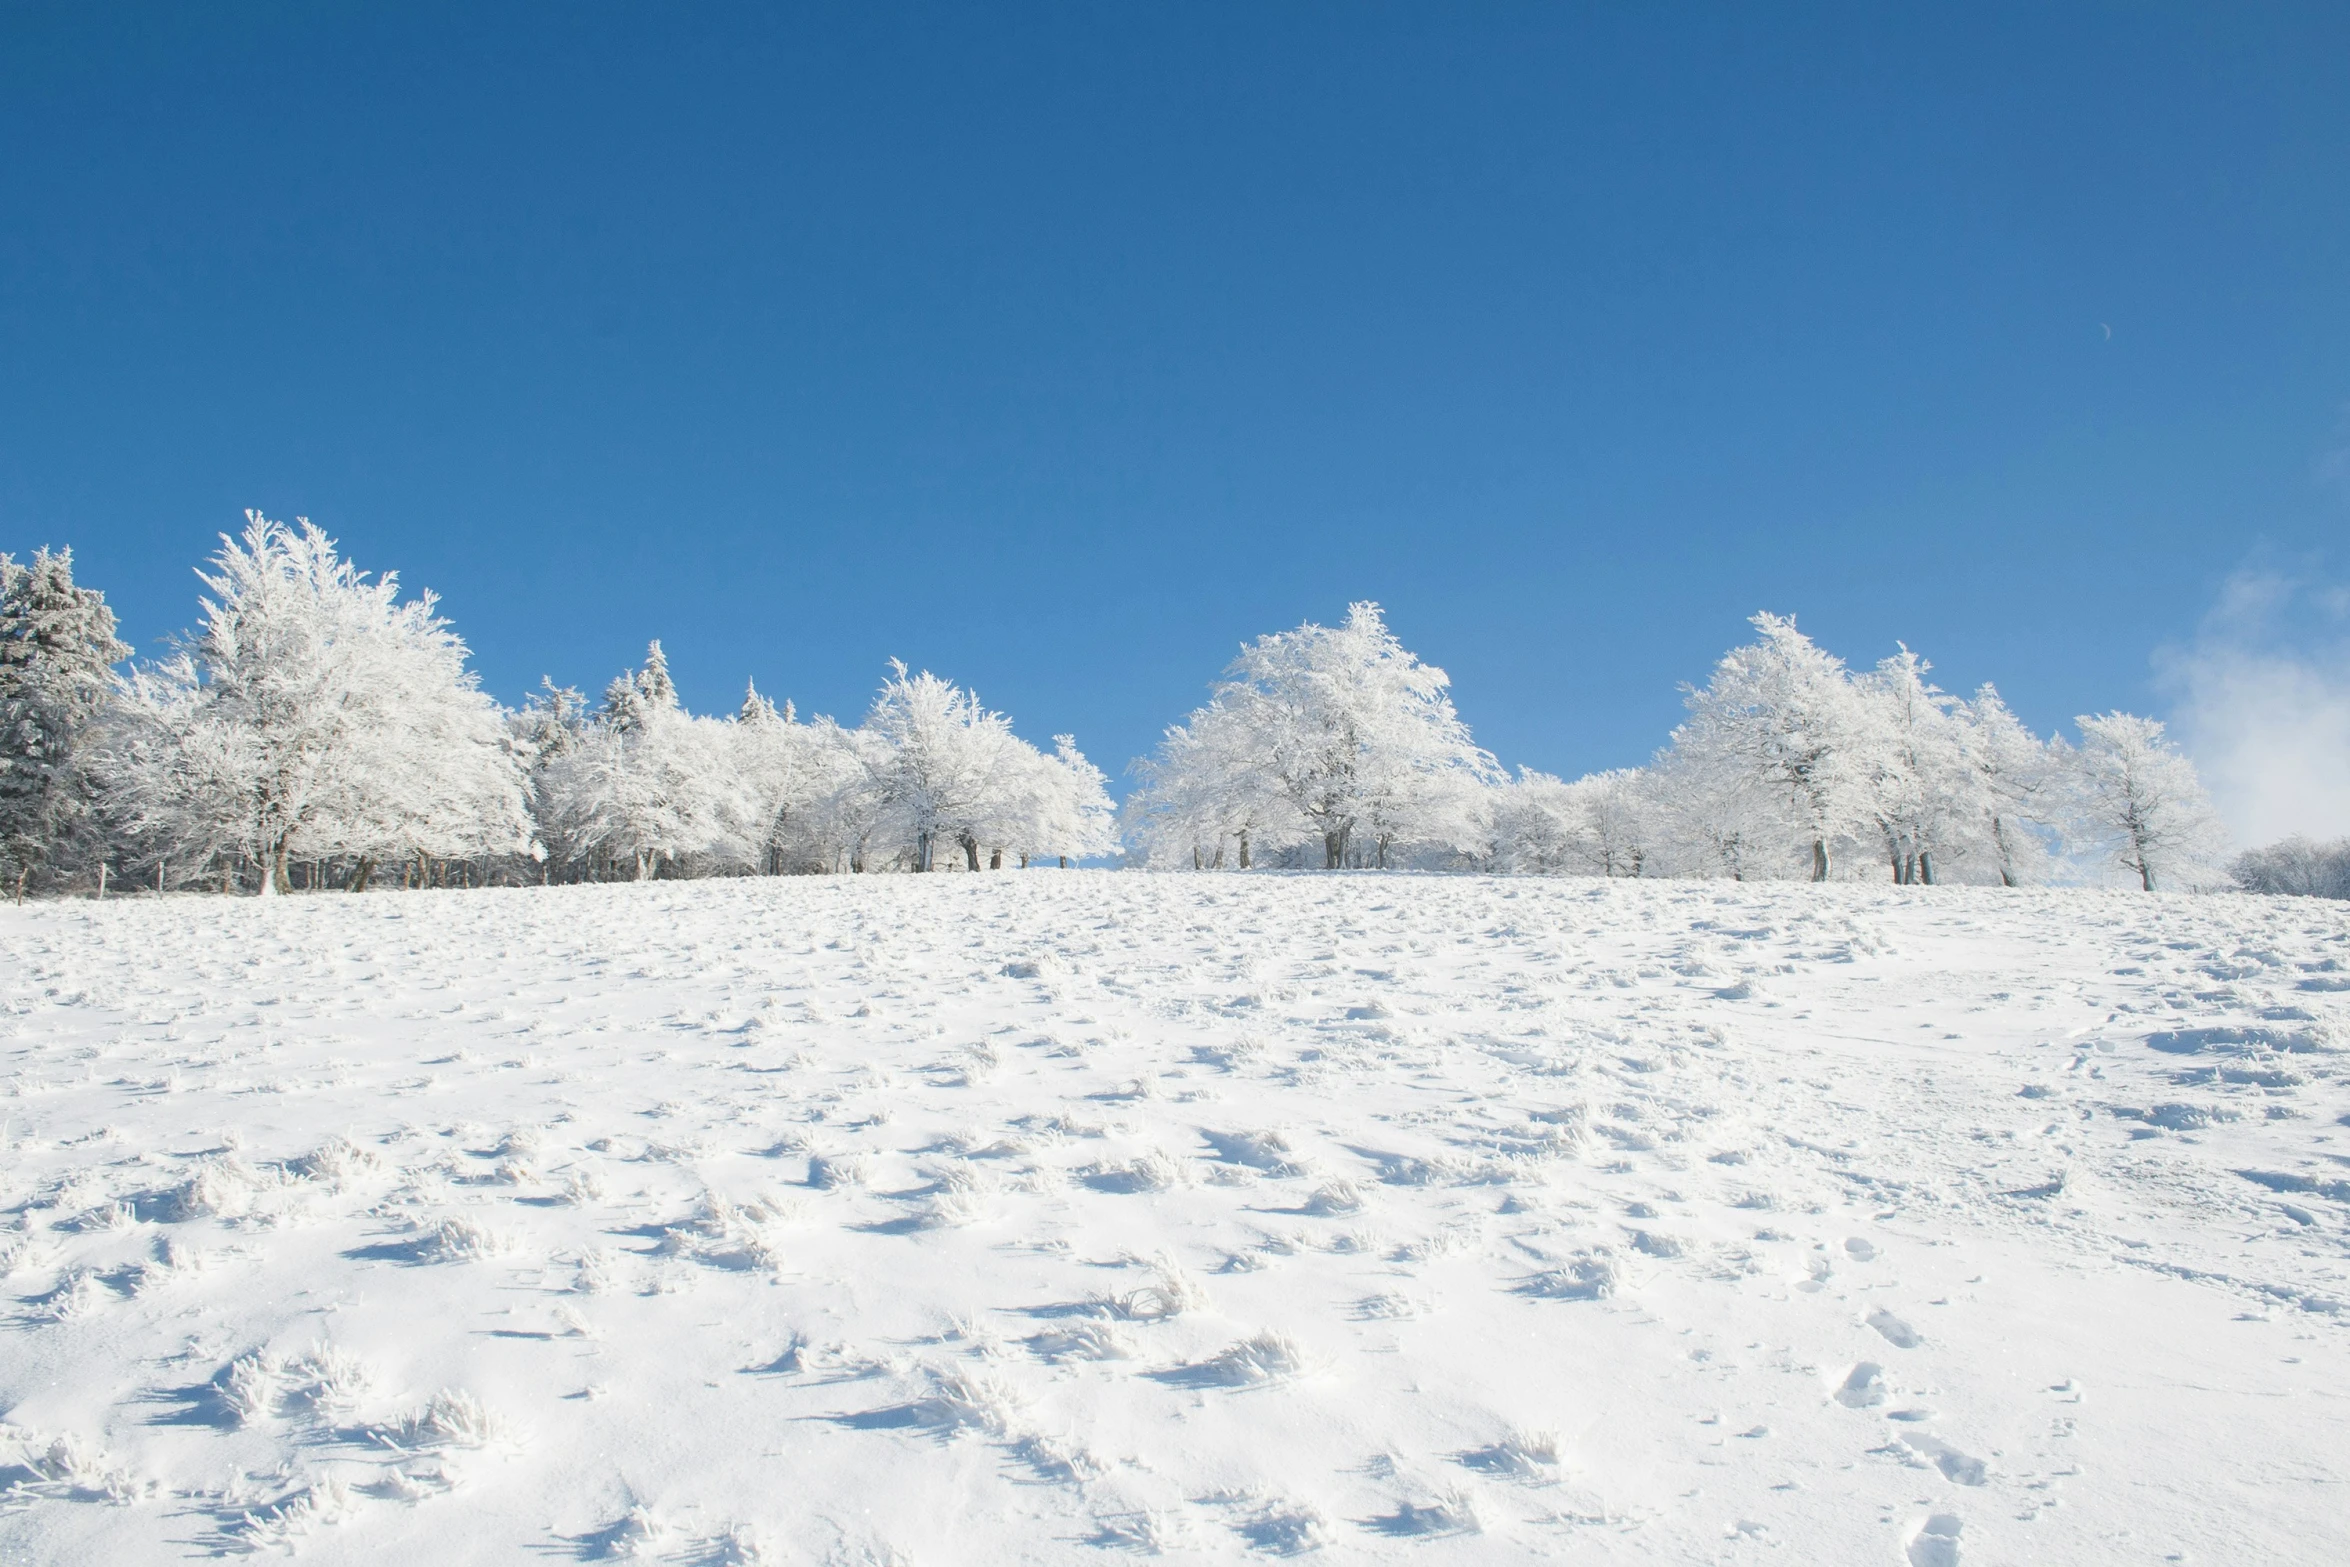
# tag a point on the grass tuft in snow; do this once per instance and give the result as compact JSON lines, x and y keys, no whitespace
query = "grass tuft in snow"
{"x":452,"y":1418}
{"x":1260,"y":1360}
{"x":1521,"y":1455}
{"x":1449,"y":1511}
{"x":1171,"y":1293}
{"x":1585,"y":1278}
{"x":284,"y":1524}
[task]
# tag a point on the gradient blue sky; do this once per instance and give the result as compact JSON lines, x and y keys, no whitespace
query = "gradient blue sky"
{"x":1060,"y":348}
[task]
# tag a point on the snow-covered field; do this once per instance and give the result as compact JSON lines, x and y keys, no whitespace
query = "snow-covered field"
{"x":1061,"y":1215}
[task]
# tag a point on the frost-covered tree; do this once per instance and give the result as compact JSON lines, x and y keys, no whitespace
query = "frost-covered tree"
{"x":1921,"y":793}
{"x":1782,"y":716}
{"x":1619,"y":814}
{"x":312,"y":714}
{"x":2016,"y":785}
{"x":944,"y":770}
{"x":846,"y":825}
{"x":57,"y":652}
{"x":772,"y":754}
{"x":1601,"y":825}
{"x":1337,"y":737}
{"x":646,"y":785}
{"x":1203,"y":800}
{"x":1718,"y":815}
{"x":2139,"y":802}
{"x":1067,"y":812}
{"x":548,"y":727}
{"x":1536,"y":826}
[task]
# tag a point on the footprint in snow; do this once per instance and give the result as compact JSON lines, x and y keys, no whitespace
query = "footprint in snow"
{"x":1936,"y":1542}
{"x":1893,"y":1330}
{"x":1863,"y":1386}
{"x":1959,"y":1468}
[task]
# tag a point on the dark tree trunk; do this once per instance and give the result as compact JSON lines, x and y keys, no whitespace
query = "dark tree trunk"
{"x":1244,"y":851}
{"x":360,"y":876}
{"x":1819,"y":859}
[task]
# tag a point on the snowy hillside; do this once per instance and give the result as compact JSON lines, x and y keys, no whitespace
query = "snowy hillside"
{"x":1064,"y":1215}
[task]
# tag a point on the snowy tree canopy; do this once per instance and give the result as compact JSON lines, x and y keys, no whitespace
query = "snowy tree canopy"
{"x":313,"y":713}
{"x":1782,"y":717}
{"x":1336,"y":737}
{"x":2140,"y":800}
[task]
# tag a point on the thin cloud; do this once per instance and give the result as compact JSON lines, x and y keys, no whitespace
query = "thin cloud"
{"x":2262,"y":702}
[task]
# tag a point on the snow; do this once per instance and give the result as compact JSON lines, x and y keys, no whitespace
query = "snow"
{"x":1064,"y":1216}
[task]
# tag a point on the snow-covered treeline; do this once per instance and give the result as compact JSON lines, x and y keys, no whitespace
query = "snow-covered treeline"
{"x":2298,"y":867}
{"x":1335,"y":746}
{"x":317,"y":730}
{"x":637,"y":786}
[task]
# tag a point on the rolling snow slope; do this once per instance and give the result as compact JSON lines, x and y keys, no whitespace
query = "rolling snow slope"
{"x":1066,"y":1216}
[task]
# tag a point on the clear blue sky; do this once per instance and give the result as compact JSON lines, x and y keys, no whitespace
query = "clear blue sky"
{"x":1062,"y":348}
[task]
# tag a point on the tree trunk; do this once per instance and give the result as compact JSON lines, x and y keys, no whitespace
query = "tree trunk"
{"x":2006,"y":855}
{"x":101,"y":881}
{"x":1064,"y":862}
{"x":1244,"y":851}
{"x":1334,"y":851}
{"x":995,"y":859}
{"x":359,"y":877}
{"x":1926,"y":866}
{"x":1819,"y":859}
{"x":275,"y":883}
{"x":2145,"y":875}
{"x":970,"y":852}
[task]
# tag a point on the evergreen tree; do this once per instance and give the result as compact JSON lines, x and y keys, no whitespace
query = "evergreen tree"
{"x":57,"y":649}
